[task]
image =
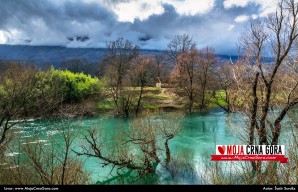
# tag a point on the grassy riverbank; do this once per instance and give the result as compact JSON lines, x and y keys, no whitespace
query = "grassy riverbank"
{"x":155,"y":98}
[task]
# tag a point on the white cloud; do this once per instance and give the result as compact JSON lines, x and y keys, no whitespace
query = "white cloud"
{"x":254,"y":16}
{"x":12,"y":36}
{"x":230,"y":27}
{"x":235,"y":3}
{"x":267,"y":10}
{"x":142,"y":9}
{"x":191,"y":7}
{"x":129,"y":10}
{"x":241,"y":18}
{"x":126,"y":10}
{"x":3,"y":39}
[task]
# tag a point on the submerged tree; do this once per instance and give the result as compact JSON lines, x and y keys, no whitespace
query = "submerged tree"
{"x":17,"y":95}
{"x":140,"y":148}
{"x":268,"y":90}
{"x":45,"y":161}
{"x":26,"y":93}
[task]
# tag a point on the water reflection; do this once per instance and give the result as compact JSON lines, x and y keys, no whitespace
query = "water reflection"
{"x":195,"y":143}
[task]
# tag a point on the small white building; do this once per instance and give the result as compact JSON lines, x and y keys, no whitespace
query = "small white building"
{"x":158,"y":83}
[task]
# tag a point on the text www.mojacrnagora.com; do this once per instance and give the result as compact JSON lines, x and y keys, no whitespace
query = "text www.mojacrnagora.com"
{"x":31,"y":188}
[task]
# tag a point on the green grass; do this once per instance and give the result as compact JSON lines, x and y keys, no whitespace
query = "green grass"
{"x":106,"y":104}
{"x":151,"y":96}
{"x":157,"y":106}
{"x":145,"y":88}
{"x":161,"y":99}
{"x":155,"y":98}
{"x":218,"y":99}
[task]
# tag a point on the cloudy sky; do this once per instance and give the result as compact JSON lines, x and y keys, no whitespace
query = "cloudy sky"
{"x":149,"y":23}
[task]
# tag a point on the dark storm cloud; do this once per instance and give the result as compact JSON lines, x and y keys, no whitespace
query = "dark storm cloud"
{"x":210,"y":29}
{"x":37,"y":22}
{"x":46,"y":22}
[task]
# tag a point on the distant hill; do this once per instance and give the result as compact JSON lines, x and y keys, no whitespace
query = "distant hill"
{"x":54,"y":55}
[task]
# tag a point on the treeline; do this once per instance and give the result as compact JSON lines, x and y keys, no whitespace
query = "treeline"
{"x":127,"y":72}
{"x":24,"y":89}
{"x":193,"y":75}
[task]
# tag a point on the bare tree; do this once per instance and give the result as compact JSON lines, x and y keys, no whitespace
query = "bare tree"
{"x":17,"y":91}
{"x":142,"y":74}
{"x":224,"y":92}
{"x":186,"y":73}
{"x":269,"y":90}
{"x":46,"y":162}
{"x":206,"y":65}
{"x":179,"y":45}
{"x":140,"y":148}
{"x":192,"y":75}
{"x":80,"y":65}
{"x":163,"y":67}
{"x":118,"y":58}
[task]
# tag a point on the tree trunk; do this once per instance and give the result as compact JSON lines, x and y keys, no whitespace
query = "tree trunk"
{"x":253,"y":117}
{"x":168,"y":152}
{"x":139,"y":100}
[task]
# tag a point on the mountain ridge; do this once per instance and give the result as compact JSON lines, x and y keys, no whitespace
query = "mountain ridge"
{"x":58,"y":54}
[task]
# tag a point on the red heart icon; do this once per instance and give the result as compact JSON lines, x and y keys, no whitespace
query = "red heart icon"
{"x":221,"y":149}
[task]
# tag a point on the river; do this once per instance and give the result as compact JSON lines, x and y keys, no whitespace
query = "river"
{"x":198,"y":136}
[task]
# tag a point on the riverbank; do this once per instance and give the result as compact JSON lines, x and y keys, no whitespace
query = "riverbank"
{"x":156,"y":99}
